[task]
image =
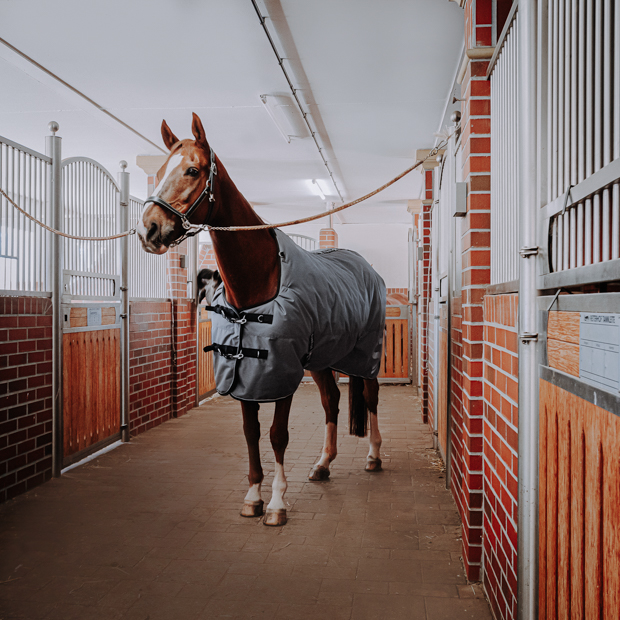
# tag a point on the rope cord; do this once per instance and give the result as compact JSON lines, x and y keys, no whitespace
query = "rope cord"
{"x":199,"y":227}
{"x":62,"y":234}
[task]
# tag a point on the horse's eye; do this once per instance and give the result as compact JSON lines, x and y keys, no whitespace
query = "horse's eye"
{"x":192,"y":172}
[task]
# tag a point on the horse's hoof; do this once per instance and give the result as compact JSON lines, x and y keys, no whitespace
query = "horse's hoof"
{"x":252,"y":509}
{"x":373,"y":464}
{"x":319,"y":473}
{"x":274,"y":518}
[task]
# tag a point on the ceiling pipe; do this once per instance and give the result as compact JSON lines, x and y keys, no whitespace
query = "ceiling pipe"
{"x":304,"y":114}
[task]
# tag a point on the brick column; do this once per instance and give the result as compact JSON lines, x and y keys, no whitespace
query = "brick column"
{"x":476,"y":144}
{"x":328,"y":238}
{"x":425,"y":299}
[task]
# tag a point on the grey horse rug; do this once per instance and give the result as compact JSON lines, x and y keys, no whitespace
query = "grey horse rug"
{"x":329,"y":313}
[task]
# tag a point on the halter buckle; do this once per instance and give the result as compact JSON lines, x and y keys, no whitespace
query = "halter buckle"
{"x":186,"y":223}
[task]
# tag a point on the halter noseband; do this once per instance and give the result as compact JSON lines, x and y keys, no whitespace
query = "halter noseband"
{"x":191,"y":229}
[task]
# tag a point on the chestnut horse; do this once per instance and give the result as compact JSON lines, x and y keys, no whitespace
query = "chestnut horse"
{"x":193,"y":186}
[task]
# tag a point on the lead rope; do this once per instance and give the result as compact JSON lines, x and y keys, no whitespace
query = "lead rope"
{"x":196,"y":228}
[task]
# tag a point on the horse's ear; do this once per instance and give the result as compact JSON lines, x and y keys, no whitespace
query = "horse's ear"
{"x":198,"y":130}
{"x":169,"y":138}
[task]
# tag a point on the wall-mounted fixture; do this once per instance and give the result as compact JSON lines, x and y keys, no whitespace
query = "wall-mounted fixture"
{"x":460,"y":199}
{"x":285,"y":116}
{"x":315,"y":188}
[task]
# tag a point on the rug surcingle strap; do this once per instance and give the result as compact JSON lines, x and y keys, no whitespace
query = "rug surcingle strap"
{"x":234,"y":353}
{"x":242,"y":317}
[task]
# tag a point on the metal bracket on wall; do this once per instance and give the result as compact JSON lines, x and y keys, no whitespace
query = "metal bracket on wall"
{"x":529,"y":252}
{"x":528,"y":337}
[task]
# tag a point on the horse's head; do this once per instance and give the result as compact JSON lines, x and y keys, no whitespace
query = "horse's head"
{"x":182,"y":191}
{"x":208,"y":282}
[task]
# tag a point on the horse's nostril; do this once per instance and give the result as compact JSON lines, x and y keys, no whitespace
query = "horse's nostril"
{"x":152,"y":232}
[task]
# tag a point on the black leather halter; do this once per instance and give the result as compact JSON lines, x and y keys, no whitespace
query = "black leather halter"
{"x":191,"y":229}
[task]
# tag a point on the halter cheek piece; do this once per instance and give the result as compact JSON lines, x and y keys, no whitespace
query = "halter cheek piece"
{"x":191,"y":229}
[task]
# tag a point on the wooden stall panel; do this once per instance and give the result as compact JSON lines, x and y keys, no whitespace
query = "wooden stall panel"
{"x":395,"y":360}
{"x":91,"y":388}
{"x":579,"y":499}
{"x":206,"y":377}
{"x":563,"y":342}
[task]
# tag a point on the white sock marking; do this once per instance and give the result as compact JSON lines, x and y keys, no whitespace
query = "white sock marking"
{"x":254,"y":493}
{"x":375,"y":437}
{"x":278,"y":489}
{"x":330,"y":445}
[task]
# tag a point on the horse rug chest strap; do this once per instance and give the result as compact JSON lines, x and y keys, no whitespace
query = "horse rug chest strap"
{"x":242,"y":317}
{"x":232,"y":353}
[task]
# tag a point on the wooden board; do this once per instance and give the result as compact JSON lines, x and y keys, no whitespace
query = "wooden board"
{"x":91,"y":387}
{"x":206,"y":377}
{"x":579,"y":542}
{"x":564,"y":326}
{"x":395,"y":359}
{"x":563,"y":356}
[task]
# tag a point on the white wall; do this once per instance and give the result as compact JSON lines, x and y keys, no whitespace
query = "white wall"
{"x":384,"y":246}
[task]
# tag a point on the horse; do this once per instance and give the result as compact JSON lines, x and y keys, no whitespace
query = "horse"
{"x":194,"y":188}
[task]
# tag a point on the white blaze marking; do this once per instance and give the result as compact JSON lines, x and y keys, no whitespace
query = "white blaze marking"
{"x":375,"y":437}
{"x":278,"y":489}
{"x":254,"y":493}
{"x":173,"y":162}
{"x":330,"y":448}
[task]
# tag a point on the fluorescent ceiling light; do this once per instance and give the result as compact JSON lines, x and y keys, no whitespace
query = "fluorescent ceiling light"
{"x":315,"y":188}
{"x":276,"y":115}
{"x":285,"y":116}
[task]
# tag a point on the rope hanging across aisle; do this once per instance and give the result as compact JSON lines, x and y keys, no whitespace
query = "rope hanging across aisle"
{"x":198,"y":227}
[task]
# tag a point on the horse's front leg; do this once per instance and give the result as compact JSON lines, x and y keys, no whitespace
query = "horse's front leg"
{"x":276,"y":510}
{"x":253,"y":504}
{"x":330,"y":397}
{"x":371,"y":396}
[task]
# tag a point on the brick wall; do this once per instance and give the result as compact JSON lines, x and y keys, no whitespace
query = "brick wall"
{"x":500,"y":453}
{"x":150,"y":375}
{"x":328,"y":238}
{"x":25,"y":394}
{"x":206,"y":257}
{"x":184,"y":358}
{"x":475,"y":241}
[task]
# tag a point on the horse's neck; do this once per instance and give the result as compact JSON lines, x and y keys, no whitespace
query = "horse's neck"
{"x":247,"y":260}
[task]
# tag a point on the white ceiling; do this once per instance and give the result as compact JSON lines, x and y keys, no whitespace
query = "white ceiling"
{"x":374,"y":76}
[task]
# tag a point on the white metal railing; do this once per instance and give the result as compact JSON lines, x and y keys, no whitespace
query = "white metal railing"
{"x":505,"y":157}
{"x":24,"y":246}
{"x":91,"y":208}
{"x":307,"y":243}
{"x":582,"y":89}
{"x":147,"y":272}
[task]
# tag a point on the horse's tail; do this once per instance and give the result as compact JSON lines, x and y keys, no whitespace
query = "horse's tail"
{"x":358,"y":409}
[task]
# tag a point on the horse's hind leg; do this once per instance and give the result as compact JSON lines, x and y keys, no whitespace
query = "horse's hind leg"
{"x":276,"y":510}
{"x":253,"y":504}
{"x":330,"y":397}
{"x":371,"y":396}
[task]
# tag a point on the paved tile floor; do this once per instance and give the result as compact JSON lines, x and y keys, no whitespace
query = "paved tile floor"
{"x":152,"y":529}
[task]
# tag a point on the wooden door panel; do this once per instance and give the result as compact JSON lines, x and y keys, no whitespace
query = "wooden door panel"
{"x":91,"y":388}
{"x":579,"y":560}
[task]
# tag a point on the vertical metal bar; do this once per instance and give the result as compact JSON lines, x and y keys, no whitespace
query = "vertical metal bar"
{"x":607,"y":129}
{"x":123,"y":182}
{"x":581,"y":128}
{"x":194,"y":274}
{"x":589,"y":125}
{"x":53,"y":149}
{"x":615,"y":218}
{"x":527,"y":569}
{"x":598,"y":130}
